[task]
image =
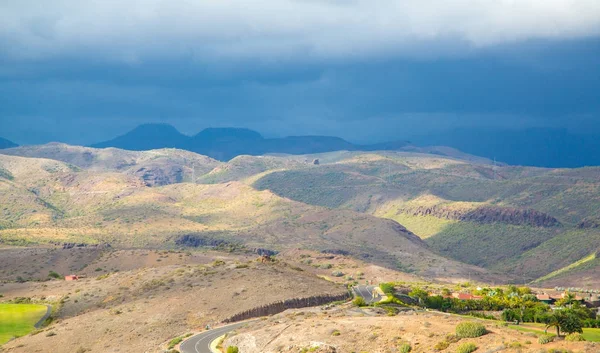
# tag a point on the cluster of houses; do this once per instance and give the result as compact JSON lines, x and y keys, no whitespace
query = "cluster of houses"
{"x":591,"y":300}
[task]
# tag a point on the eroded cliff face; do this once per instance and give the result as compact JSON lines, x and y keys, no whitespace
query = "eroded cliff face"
{"x":487,"y":215}
{"x":160,"y":175}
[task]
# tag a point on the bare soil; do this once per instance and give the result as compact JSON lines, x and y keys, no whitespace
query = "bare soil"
{"x":346,"y":329}
{"x":148,"y":302}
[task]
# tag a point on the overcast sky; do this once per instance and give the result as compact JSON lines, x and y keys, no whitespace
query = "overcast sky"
{"x":368,"y":70}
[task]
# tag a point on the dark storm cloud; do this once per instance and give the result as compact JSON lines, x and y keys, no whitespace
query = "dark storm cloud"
{"x":83,"y":72}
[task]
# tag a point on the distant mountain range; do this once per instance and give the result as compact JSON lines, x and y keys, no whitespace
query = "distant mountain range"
{"x":539,"y":147}
{"x":4,"y":143}
{"x":226,"y":143}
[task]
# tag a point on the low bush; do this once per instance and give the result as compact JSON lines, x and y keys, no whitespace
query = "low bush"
{"x":470,"y":330}
{"x":544,"y":339}
{"x":53,"y":274}
{"x":574,"y":337}
{"x":404,"y":348}
{"x":175,"y":341}
{"x":359,"y":301}
{"x":466,"y":347}
{"x":232,"y":349}
{"x":441,"y":345}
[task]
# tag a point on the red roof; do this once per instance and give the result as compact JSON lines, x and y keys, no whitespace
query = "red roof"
{"x":466,"y":296}
{"x":543,"y":297}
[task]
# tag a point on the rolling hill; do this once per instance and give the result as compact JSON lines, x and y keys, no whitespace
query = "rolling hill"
{"x":527,"y":222}
{"x":50,"y":201}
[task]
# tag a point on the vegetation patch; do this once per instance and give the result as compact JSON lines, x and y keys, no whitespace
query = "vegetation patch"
{"x":405,"y":348}
{"x":17,"y":320}
{"x":545,"y":339}
{"x":470,"y":330}
{"x":466,"y":347}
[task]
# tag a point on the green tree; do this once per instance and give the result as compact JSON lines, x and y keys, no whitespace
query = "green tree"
{"x":565,"y":320}
{"x":387,"y":288}
{"x":420,"y":294}
{"x":359,"y":301}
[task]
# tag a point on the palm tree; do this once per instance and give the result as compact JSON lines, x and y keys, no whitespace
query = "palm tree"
{"x":567,"y":300}
{"x":554,"y":320}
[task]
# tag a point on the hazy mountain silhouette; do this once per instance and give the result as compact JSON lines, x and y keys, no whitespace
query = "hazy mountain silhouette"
{"x":4,"y":143}
{"x":227,"y":143}
{"x":541,"y":147}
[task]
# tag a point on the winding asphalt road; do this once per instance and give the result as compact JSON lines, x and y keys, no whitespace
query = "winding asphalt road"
{"x":366,"y":292}
{"x":200,"y":343}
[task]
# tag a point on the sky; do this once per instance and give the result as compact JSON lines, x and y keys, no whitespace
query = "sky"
{"x":366,"y":70}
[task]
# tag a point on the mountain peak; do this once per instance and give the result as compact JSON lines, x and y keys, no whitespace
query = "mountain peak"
{"x":214,"y":133}
{"x":147,"y":137}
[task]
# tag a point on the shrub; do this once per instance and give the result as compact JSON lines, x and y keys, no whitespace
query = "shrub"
{"x":543,"y":339}
{"x":53,"y":274}
{"x":359,"y":301}
{"x":574,"y":337}
{"x":404,"y":348}
{"x":466,"y":347}
{"x":175,"y":341}
{"x":441,"y":345}
{"x":232,"y":349}
{"x":470,"y":330}
{"x":337,"y":274}
{"x":387,"y":288}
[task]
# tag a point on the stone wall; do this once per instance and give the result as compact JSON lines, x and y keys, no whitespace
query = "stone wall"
{"x":296,"y":303}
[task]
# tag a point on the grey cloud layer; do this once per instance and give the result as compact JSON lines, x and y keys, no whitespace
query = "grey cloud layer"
{"x":136,"y":29}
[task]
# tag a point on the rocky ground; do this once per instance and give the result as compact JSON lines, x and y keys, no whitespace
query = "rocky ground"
{"x":139,"y":303}
{"x":345,"y":329}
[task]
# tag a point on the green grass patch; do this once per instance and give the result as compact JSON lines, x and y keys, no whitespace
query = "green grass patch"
{"x":17,"y":320}
{"x":423,"y":226}
{"x":591,"y":334}
{"x":567,"y":268}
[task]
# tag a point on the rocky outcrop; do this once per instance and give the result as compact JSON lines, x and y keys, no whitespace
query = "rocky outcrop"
{"x":589,"y":224}
{"x":160,"y":175}
{"x":83,"y":245}
{"x":487,"y":215}
{"x":278,"y":307}
{"x":195,"y":241}
{"x":335,"y":252}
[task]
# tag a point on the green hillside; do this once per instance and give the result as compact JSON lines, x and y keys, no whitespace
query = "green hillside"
{"x":522,"y":221}
{"x":494,"y":216}
{"x":82,"y":206}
